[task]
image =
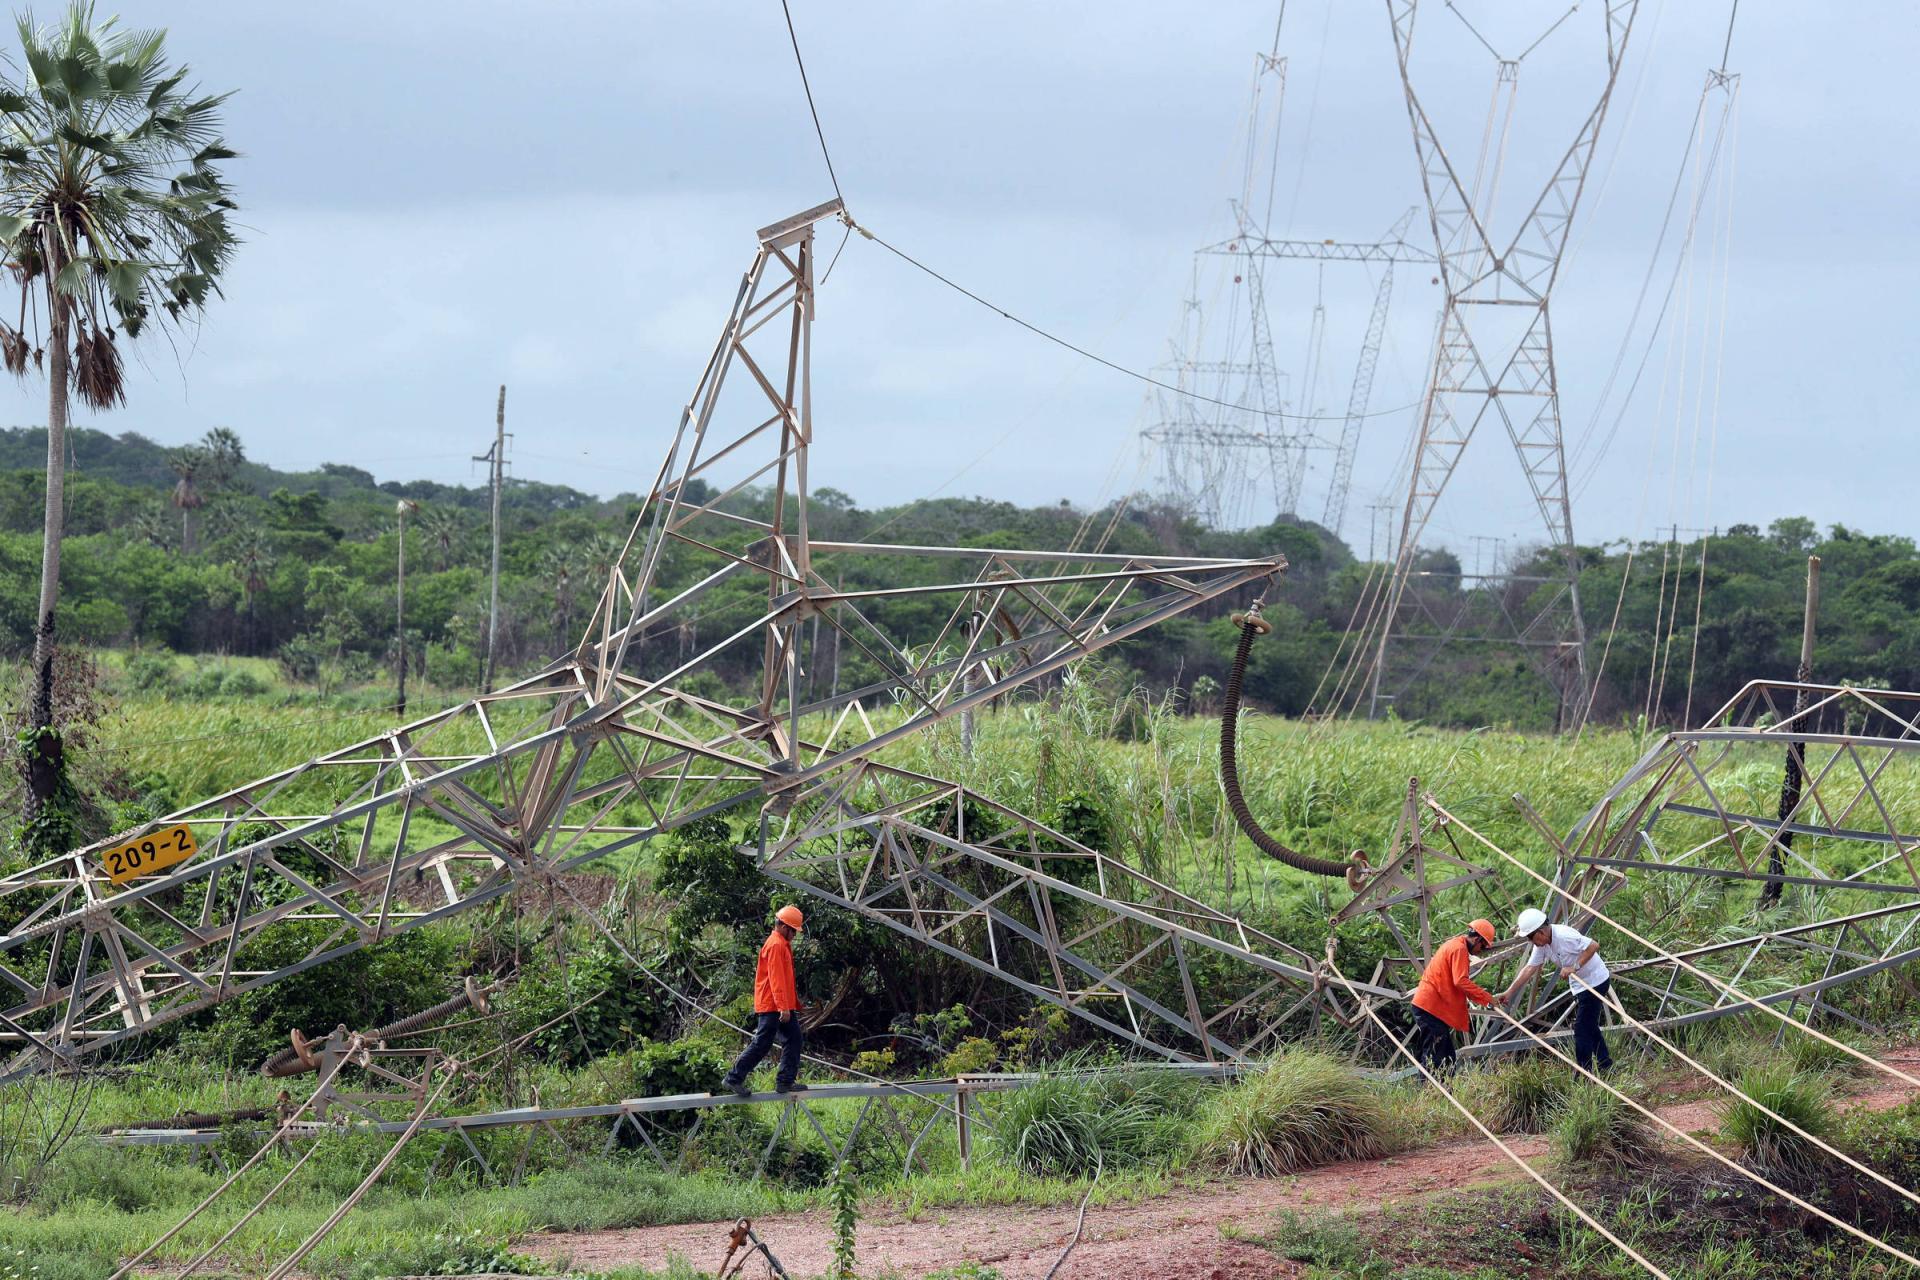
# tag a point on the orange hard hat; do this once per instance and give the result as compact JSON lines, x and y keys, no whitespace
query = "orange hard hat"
{"x":1485,"y":929}
{"x":790,"y":916}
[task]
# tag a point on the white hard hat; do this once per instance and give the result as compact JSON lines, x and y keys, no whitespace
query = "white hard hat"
{"x":1530,"y":920}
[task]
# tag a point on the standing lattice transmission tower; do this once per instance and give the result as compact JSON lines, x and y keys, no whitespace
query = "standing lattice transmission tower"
{"x":1222,"y":453}
{"x":1385,"y":252}
{"x":1493,"y":359}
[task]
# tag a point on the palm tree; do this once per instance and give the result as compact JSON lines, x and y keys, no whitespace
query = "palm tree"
{"x":444,"y":530}
{"x":252,"y":562}
{"x":186,"y":465}
{"x":150,"y":526}
{"x":112,"y":216}
{"x":224,"y":454}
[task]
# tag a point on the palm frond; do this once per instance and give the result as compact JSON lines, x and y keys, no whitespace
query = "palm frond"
{"x":97,"y":374}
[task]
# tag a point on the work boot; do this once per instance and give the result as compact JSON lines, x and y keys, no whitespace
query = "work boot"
{"x":794,"y":1087}
{"x":738,"y":1088}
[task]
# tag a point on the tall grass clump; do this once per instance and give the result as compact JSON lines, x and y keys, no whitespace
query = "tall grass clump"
{"x":1522,"y":1096}
{"x":1592,"y":1129}
{"x":1305,"y":1109}
{"x":1766,"y":1145}
{"x":1072,"y":1125}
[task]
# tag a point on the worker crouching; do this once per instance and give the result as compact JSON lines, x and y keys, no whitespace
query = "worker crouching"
{"x":776,"y":1009}
{"x":1440,"y":1001}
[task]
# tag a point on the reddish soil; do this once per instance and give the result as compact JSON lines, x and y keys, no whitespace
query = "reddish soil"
{"x":1179,"y":1236}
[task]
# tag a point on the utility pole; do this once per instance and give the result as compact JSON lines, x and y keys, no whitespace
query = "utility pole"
{"x":401,"y":509}
{"x":497,"y":456}
{"x":1796,"y":762}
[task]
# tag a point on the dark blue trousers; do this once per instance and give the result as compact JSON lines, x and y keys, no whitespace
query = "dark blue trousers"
{"x":767,"y":1027}
{"x":1588,"y":1043}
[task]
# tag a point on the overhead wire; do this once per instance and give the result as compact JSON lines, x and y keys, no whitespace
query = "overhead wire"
{"x":1098,"y":359}
{"x":812,"y":110}
{"x":1588,"y":466}
{"x":1665,"y":956}
{"x":1725,"y":248}
{"x":1711,"y":1151}
{"x":346,"y":1206}
{"x":279,"y":1134}
{"x":1400,"y":1047}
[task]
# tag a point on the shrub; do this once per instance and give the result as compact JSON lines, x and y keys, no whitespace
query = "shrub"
{"x":1523,"y":1095}
{"x":151,"y":671}
{"x":1767,"y":1145}
{"x":1594,"y":1128}
{"x":622,"y":1006}
{"x":1305,"y":1109}
{"x":242,"y":683}
{"x":970,"y":1057}
{"x":302,"y":657}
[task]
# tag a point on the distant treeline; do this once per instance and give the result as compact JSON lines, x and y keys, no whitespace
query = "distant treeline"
{"x":201,"y":550}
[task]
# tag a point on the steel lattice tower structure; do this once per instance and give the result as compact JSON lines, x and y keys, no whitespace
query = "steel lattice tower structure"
{"x":1494,"y":356}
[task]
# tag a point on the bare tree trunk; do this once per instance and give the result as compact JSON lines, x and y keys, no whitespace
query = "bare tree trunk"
{"x":43,"y":756}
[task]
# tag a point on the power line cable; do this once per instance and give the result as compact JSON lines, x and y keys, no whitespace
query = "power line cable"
{"x":818,"y":132}
{"x":1078,"y":350}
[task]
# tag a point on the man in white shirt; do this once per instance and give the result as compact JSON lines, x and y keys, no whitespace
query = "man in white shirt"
{"x":1578,"y":959}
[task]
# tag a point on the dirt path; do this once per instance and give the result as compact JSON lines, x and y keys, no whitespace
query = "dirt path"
{"x":1176,"y":1236}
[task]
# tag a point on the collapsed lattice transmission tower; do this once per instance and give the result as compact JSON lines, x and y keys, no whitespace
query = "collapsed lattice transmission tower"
{"x":625,"y":738}
{"x":1494,"y":358}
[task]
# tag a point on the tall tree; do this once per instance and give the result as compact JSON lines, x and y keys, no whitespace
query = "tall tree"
{"x":113,"y":215}
{"x":253,"y":560}
{"x":444,"y":530}
{"x":186,"y":465}
{"x":224,"y":454}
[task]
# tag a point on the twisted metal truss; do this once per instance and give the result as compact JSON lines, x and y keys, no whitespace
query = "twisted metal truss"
{"x":1705,"y":822}
{"x":1065,"y":923}
{"x":615,"y":743}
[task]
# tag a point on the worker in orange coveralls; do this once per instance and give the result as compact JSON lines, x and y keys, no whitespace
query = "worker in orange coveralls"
{"x":776,"y":1009}
{"x":1440,"y":1002}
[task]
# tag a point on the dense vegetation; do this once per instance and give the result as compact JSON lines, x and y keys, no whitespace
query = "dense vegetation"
{"x":199,"y":550}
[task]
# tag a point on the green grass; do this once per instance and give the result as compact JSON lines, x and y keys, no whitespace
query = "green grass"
{"x":1766,"y":1144}
{"x":1521,"y":1095}
{"x":397,"y":1230}
{"x":1594,"y":1131}
{"x":1073,"y":1126}
{"x":1305,"y":1109}
{"x":1688,"y":1227}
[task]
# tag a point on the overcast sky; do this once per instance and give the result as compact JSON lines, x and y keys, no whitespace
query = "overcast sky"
{"x":561,"y":196}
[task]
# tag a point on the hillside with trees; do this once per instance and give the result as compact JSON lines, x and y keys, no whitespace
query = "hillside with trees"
{"x":202,"y":550}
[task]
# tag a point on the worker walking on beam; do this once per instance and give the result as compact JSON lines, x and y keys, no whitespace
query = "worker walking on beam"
{"x":1578,"y":958}
{"x":1440,"y":1001}
{"x":776,"y":1009}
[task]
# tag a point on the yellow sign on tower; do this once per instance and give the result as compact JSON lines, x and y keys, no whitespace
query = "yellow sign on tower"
{"x":155,"y":851}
